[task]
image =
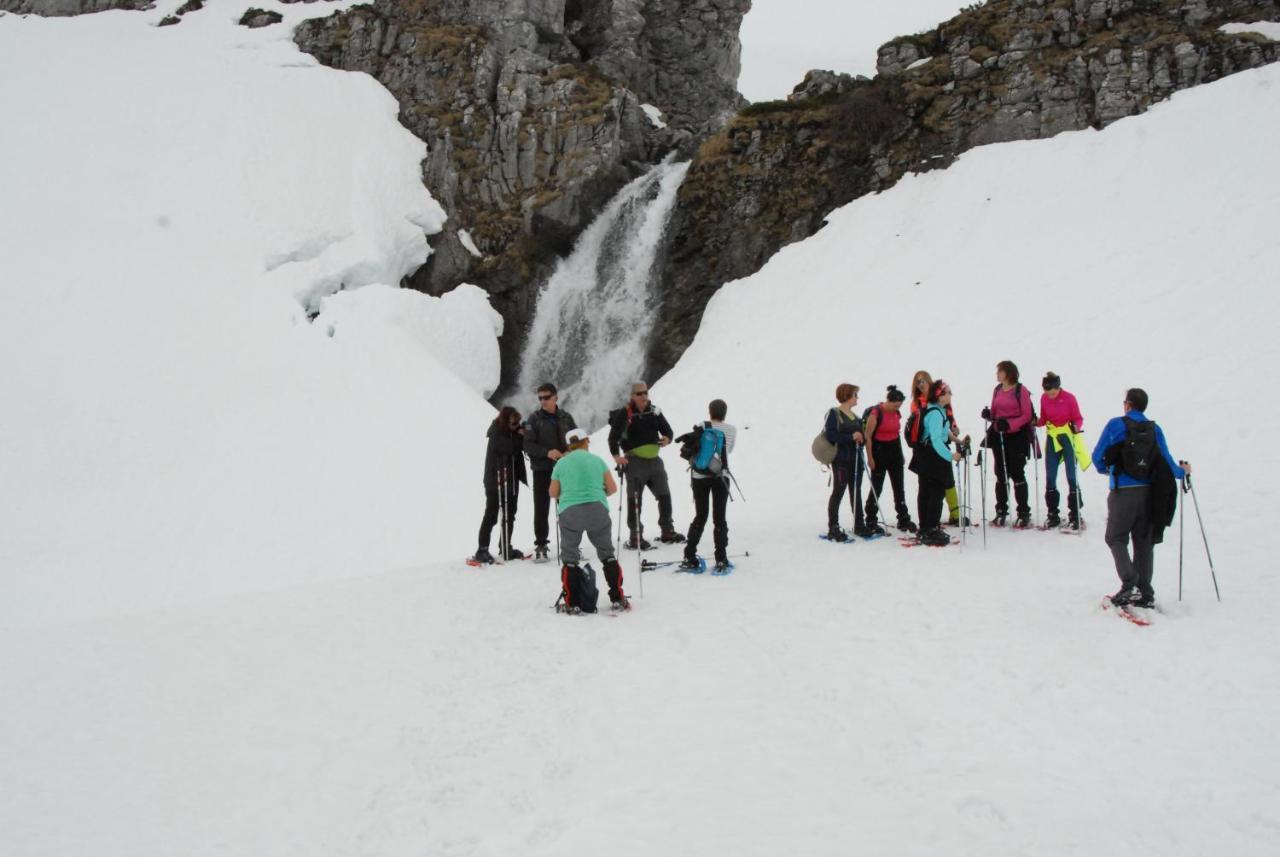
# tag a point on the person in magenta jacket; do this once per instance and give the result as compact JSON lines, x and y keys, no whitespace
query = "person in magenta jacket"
{"x":1009,"y":436}
{"x":1063,"y":422}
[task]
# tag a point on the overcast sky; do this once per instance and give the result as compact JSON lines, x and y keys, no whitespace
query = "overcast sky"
{"x":783,"y":39}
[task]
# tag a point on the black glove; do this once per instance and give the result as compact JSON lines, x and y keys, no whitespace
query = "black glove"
{"x":1002,"y":425}
{"x":986,"y":413}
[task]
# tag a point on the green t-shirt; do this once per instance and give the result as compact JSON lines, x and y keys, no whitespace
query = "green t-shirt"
{"x":581,"y":478}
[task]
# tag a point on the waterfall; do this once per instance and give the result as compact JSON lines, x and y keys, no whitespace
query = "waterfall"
{"x":591,"y":328}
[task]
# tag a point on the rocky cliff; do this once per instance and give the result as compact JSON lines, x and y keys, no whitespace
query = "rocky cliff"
{"x":1004,"y":70}
{"x":66,"y":8}
{"x":534,"y":112}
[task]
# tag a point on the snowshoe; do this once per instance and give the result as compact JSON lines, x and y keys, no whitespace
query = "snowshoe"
{"x":835,"y":534}
{"x":1023,"y":523}
{"x":1125,"y":596}
{"x":1053,"y":521}
{"x":540,"y":554}
{"x":514,"y":554}
{"x":906,"y":525}
{"x":954,"y":521}
{"x":935,"y":538}
{"x":691,"y":564}
{"x":482,"y":557}
{"x":671,"y":538}
{"x":722,"y":567}
{"x":640,"y":543}
{"x":1000,"y":521}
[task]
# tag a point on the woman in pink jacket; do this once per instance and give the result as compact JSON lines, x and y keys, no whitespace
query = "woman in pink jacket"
{"x":1060,"y":414}
{"x":1009,"y":435}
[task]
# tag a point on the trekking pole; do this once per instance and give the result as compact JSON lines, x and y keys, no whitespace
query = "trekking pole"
{"x":741,"y":496}
{"x":502,"y":510}
{"x":862,"y":453}
{"x":1182,"y":515}
{"x":559,"y":558}
{"x":1004,"y":462}
{"x":1194,"y":500}
{"x":955,"y":466}
{"x":1035,"y":470}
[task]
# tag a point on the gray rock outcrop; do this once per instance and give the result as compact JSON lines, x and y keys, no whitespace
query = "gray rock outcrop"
{"x":1005,"y":70}
{"x":531,"y":111}
{"x":67,"y":8}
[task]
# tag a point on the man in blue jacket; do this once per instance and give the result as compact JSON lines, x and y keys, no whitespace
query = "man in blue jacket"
{"x":1127,"y":453}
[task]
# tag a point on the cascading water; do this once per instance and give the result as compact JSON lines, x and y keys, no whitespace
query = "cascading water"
{"x":595,"y":314}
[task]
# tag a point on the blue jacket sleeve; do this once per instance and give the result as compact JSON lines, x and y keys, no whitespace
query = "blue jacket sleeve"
{"x":1112,"y":434}
{"x":1178,"y":472}
{"x":933,"y":427}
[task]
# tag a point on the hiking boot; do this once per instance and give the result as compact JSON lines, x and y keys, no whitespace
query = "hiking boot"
{"x":540,"y":554}
{"x":635,"y":543}
{"x":1073,"y":522}
{"x":954,"y":521}
{"x":1000,"y":521}
{"x":836,"y":534}
{"x":671,"y":537}
{"x":873,"y":530}
{"x":722,"y":567}
{"x":935,"y":538}
{"x":622,"y":602}
{"x":514,"y":553}
{"x":1023,"y":522}
{"x":1147,"y":601}
{"x":1053,"y":521}
{"x":483,"y":555}
{"x":861,"y":530}
{"x":906,"y":525}
{"x":1127,"y":595}
{"x":690,"y":563}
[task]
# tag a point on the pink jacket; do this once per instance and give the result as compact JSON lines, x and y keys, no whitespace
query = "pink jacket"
{"x":1005,"y":404}
{"x":1061,"y":411}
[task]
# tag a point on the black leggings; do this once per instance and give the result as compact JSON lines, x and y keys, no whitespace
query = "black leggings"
{"x":711,"y":492}
{"x":1010,"y":462}
{"x":492,"y":508}
{"x":888,"y":456}
{"x":845,"y":475}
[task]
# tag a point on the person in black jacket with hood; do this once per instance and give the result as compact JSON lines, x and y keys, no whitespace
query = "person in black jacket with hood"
{"x":637,"y":433}
{"x":544,"y":441}
{"x":503,"y":472}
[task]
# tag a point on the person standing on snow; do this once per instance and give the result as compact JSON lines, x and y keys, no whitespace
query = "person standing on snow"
{"x":884,"y":456}
{"x":920,"y":385}
{"x":1009,"y":439}
{"x":712,"y":489}
{"x":581,"y":484}
{"x":1132,"y":452}
{"x":545,"y":433}
{"x":843,"y":429}
{"x":503,"y":472}
{"x":637,"y":433}
{"x":1062,"y":421}
{"x":931,"y":463}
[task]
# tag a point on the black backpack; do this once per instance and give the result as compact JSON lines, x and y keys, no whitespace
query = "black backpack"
{"x":578,"y":589}
{"x":1139,"y":449}
{"x":918,"y":417}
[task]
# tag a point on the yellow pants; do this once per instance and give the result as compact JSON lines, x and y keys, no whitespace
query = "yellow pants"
{"x":953,"y":502}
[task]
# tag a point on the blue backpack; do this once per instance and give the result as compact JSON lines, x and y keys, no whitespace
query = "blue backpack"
{"x":704,"y":449}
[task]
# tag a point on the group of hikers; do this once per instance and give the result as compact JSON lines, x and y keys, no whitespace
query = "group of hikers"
{"x":1131,"y":450}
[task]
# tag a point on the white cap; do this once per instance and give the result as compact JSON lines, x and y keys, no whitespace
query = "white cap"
{"x":576,"y":435}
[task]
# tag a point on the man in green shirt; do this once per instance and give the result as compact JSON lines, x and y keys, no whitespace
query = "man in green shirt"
{"x":580,"y":484}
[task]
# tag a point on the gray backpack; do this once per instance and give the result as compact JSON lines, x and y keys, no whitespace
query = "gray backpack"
{"x":824,"y":450}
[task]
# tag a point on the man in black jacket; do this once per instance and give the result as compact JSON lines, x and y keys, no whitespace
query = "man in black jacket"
{"x":544,"y":442}
{"x":637,"y":433}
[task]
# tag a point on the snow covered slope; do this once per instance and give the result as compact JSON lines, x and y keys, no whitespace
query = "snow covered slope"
{"x":823,"y":700}
{"x":173,"y":201}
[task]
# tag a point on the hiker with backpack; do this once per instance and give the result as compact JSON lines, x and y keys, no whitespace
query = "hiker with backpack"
{"x":504,"y":471}
{"x":1060,"y":415}
{"x":1010,"y":434}
{"x":708,"y":447}
{"x":1143,"y":476}
{"x":545,"y":433}
{"x":581,"y":485}
{"x":843,"y":429}
{"x":637,"y":433}
{"x":883,"y":424}
{"x":931,"y":462}
{"x":920,"y":385}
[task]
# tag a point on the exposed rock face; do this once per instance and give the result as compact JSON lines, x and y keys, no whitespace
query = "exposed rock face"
{"x":1008,"y":70}
{"x":531,"y":110}
{"x":66,"y":8}
{"x":255,"y":18}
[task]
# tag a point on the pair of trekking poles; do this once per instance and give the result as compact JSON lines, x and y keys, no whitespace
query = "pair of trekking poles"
{"x":1189,"y":488}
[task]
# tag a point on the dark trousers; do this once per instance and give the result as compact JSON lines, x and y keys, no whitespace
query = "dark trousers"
{"x":1129,"y":520}
{"x":541,"y":506}
{"x":888,"y":456}
{"x":648,"y":473}
{"x":493,"y":503}
{"x":845,"y":476}
{"x":1010,"y":461}
{"x":934,"y":477}
{"x":709,"y":492}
